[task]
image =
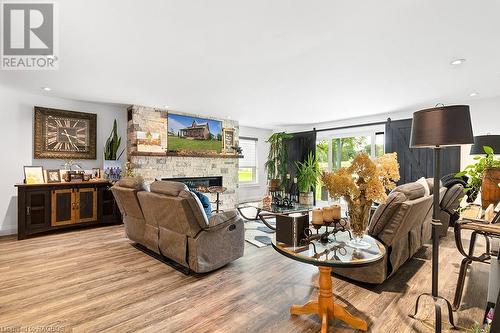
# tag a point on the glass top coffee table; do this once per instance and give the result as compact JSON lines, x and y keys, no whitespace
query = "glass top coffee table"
{"x":335,"y":253}
{"x":266,"y":212}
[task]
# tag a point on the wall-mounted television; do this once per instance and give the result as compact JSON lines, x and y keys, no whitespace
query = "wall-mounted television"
{"x":187,"y":133}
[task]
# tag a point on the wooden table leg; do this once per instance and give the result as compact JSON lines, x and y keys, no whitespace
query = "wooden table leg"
{"x":325,"y":307}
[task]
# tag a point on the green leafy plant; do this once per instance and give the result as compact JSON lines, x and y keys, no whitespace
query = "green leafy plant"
{"x":308,"y":173}
{"x":277,"y":159}
{"x":475,"y":171}
{"x":113,"y":144}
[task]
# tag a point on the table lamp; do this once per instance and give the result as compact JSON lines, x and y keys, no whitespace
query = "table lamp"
{"x":434,"y":128}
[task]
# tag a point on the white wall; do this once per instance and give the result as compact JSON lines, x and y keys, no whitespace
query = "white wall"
{"x":256,"y":192}
{"x":485,"y":114}
{"x":16,"y":142}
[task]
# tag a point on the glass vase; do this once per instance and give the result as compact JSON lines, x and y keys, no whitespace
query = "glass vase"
{"x":358,"y":221}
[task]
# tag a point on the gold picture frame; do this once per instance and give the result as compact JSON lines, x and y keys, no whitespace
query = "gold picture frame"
{"x":62,"y":134}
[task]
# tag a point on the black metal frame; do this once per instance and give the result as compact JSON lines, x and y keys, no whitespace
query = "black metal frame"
{"x":469,"y":256}
{"x":262,"y":214}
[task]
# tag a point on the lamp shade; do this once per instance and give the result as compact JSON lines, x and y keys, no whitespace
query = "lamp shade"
{"x":441,"y":126}
{"x":480,"y":141}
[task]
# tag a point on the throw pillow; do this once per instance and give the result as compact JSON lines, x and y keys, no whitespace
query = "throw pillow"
{"x":205,"y":202}
{"x":423,"y":182}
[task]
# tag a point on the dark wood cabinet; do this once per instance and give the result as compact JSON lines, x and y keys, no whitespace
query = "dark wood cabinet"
{"x":45,"y":207}
{"x":37,"y":210}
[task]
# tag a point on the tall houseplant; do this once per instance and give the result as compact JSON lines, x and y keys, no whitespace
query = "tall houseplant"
{"x":485,"y":168}
{"x":112,"y":165}
{"x":277,"y":159}
{"x":360,"y":184}
{"x":307,"y":175}
{"x":112,"y":145}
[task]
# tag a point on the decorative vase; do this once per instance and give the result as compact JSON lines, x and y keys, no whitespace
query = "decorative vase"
{"x":358,"y":221}
{"x":490,"y":191}
{"x":306,"y":198}
{"x":274,"y":185}
{"x":112,"y":170}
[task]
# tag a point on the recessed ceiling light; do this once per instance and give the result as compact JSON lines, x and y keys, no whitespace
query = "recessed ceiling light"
{"x":473,"y":94}
{"x":47,"y":89}
{"x":456,"y":62}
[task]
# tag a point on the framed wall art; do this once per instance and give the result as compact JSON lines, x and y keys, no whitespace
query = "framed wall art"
{"x":62,"y":134}
{"x":189,"y":133}
{"x":228,"y":135}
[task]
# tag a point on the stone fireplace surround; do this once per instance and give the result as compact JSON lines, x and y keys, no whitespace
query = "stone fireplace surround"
{"x":155,"y":166}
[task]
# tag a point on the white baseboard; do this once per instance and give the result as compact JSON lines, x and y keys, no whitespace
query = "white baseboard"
{"x":9,"y":231}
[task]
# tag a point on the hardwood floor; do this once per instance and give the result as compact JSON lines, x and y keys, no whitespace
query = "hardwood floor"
{"x":94,"y":280}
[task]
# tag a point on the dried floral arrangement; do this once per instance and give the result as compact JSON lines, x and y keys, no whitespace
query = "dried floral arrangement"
{"x":365,"y":181}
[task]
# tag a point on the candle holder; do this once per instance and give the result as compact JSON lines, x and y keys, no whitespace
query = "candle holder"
{"x":317,"y":227}
{"x":337,"y":225}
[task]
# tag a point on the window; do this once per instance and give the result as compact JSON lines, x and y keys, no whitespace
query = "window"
{"x":335,"y":149}
{"x":247,"y":172}
{"x":345,"y":148}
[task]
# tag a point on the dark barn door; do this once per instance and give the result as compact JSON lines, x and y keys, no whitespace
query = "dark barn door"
{"x":298,"y":148}
{"x":416,"y":162}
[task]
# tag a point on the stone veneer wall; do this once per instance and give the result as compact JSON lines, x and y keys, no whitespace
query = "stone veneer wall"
{"x":142,"y":118}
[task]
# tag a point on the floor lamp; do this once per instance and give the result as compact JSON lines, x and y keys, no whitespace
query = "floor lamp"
{"x":436,"y":128}
{"x":489,"y":140}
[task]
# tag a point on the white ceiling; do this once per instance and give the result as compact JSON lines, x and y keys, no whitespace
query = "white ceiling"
{"x":269,"y":63}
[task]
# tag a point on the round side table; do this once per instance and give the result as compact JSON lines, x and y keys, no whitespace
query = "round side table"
{"x":327,"y":256}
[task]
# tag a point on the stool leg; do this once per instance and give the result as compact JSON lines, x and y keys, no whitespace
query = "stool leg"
{"x":460,"y":283}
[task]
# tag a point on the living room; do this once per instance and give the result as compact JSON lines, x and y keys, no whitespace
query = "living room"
{"x":252,"y":166}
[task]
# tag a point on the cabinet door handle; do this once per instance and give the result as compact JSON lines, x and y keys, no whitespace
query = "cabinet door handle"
{"x":28,"y":210}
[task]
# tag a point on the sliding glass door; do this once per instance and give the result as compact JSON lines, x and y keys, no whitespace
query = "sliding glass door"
{"x":338,"y":150}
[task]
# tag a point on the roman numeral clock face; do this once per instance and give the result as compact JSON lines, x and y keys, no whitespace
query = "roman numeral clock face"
{"x":66,"y":134}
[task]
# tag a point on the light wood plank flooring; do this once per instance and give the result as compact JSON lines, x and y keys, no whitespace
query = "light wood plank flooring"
{"x":94,"y":280}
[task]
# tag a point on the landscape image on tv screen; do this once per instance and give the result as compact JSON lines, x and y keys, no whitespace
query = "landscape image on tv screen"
{"x":186,"y":133}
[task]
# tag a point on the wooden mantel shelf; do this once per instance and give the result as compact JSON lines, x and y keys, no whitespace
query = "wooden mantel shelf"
{"x":193,"y":154}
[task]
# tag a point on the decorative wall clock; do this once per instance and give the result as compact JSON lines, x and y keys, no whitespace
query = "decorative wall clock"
{"x":64,"y":134}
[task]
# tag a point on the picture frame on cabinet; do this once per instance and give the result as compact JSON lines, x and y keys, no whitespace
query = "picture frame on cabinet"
{"x":33,"y":175}
{"x":53,"y":176}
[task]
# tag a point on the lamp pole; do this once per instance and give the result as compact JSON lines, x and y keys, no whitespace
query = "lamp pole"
{"x":436,"y":222}
{"x":435,"y":249}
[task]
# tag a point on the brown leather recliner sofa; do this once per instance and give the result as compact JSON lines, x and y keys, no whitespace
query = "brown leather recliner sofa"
{"x":403,"y":225}
{"x":170,"y":221}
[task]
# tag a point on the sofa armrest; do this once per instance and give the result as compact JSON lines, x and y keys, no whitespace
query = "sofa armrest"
{"x":220,"y":219}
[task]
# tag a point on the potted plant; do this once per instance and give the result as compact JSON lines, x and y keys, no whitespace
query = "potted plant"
{"x":360,"y":184}
{"x":277,"y":160}
{"x":111,"y":156}
{"x":307,"y":176}
{"x":483,"y":176}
